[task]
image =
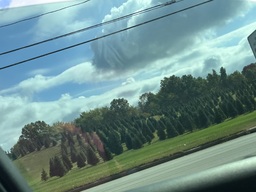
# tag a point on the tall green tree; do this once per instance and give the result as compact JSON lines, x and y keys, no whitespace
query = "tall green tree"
{"x":114,"y":143}
{"x":128,"y":141}
{"x":44,"y":175}
{"x":92,"y":158}
{"x":80,"y":160}
{"x":161,"y":134}
{"x":66,"y":162}
{"x":120,"y":107}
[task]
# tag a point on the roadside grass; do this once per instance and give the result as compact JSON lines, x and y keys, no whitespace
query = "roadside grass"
{"x":129,"y":159}
{"x":31,"y":165}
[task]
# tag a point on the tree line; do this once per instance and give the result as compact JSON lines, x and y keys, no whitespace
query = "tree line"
{"x":183,"y":104}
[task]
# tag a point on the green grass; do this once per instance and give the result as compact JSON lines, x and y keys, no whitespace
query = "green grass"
{"x":31,"y":164}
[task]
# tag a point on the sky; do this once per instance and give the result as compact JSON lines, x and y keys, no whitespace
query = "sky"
{"x":60,"y":86}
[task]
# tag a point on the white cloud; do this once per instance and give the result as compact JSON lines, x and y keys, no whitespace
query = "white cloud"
{"x":52,"y":24}
{"x":129,"y":81}
{"x":19,"y":3}
{"x":140,"y":47}
{"x":38,"y":72}
{"x":80,"y":73}
{"x":68,"y":20}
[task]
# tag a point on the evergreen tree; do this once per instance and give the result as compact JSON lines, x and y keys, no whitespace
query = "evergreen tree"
{"x":63,"y":149}
{"x":161,"y":134}
{"x":141,"y":137}
{"x":239,"y":107}
{"x":248,"y":104}
{"x":73,"y":156}
{"x":122,"y":134}
{"x":179,"y":127}
{"x":102,"y":136}
{"x":67,"y":162}
{"x":204,"y":121}
{"x":44,"y":176}
{"x":219,"y":116}
{"x":136,"y":142}
{"x":149,"y":139}
{"x":70,"y":138}
{"x":92,"y":159}
{"x":79,"y":139}
{"x":80,"y":160}
{"x":128,"y":141}
{"x":59,"y":167}
{"x":114,"y":143}
{"x":186,"y":122}
{"x":232,"y":110}
{"x":171,"y":131}
{"x":52,"y":168}
{"x":150,"y":126}
{"x":108,"y":155}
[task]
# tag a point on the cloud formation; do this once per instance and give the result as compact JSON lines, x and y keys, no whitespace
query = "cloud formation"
{"x":138,"y":48}
{"x":19,"y":3}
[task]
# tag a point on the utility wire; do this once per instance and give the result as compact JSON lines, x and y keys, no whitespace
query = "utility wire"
{"x":43,"y":14}
{"x":94,"y":26}
{"x":104,"y":36}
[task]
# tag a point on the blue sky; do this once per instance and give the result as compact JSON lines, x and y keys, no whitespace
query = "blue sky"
{"x":59,"y":87}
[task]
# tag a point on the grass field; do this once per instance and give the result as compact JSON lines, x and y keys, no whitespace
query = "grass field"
{"x":32,"y":164}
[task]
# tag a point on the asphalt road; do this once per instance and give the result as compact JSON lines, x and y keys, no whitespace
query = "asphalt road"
{"x":228,"y":152}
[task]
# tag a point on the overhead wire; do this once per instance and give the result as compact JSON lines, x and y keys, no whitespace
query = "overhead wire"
{"x":95,"y":26}
{"x":104,"y":36}
{"x":43,"y":14}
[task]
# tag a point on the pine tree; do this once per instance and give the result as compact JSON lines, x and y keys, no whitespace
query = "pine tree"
{"x":128,"y":141}
{"x":80,"y":160}
{"x":219,"y":116}
{"x":63,"y":149}
{"x":108,"y":155}
{"x":161,"y":134}
{"x":52,"y":169}
{"x":239,"y":106}
{"x":136,"y":142}
{"x":171,"y":131}
{"x":73,"y":156}
{"x":149,"y":139}
{"x":114,"y":143}
{"x":67,"y":162}
{"x":92,"y":159}
{"x":232,"y":110}
{"x":204,"y":121}
{"x":179,"y":127}
{"x":248,"y":104}
{"x":150,"y":126}
{"x":59,"y":167}
{"x":79,"y":139}
{"x":44,"y":176}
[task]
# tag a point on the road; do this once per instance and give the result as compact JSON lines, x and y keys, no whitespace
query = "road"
{"x":227,"y":152}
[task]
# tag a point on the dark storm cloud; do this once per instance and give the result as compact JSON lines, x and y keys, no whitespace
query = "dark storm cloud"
{"x":138,"y":47}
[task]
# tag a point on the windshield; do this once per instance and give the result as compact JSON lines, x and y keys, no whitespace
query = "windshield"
{"x":96,"y":90}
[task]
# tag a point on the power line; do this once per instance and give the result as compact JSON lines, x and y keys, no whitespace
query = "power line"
{"x":94,"y":26}
{"x":43,"y":14}
{"x":104,"y":36}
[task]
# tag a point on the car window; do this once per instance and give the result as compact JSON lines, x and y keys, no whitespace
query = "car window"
{"x":96,"y":90}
